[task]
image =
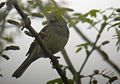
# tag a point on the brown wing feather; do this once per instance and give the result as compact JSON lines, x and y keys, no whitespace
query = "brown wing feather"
{"x":33,"y":44}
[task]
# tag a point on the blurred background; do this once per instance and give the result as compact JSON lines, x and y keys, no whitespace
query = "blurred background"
{"x":40,"y":71}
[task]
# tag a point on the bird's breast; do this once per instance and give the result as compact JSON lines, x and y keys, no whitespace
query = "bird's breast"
{"x":55,"y":41}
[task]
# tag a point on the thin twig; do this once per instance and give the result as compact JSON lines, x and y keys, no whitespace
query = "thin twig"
{"x":70,"y":65}
{"x":94,"y":46}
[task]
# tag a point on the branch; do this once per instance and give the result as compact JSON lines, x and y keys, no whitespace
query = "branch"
{"x":103,"y":55}
{"x":94,"y":46}
{"x":70,"y":65}
{"x":54,"y":60}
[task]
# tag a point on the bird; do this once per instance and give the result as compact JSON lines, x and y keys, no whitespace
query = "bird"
{"x":55,"y":35}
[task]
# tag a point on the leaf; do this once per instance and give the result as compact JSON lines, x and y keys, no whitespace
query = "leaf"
{"x":78,"y":50}
{"x":83,"y":45}
{"x":28,"y":33}
{"x":105,"y":42}
{"x":44,"y":23}
{"x":77,"y":14}
{"x":30,"y":2}
{"x":93,"y":13}
{"x":73,"y":21}
{"x":58,"y":81}
{"x":38,"y":15}
{"x":84,"y":19}
{"x":2,"y":4}
{"x":13,"y":22}
{"x":5,"y":56}
{"x":68,"y":9}
{"x":87,"y":20}
{"x":12,"y":47}
{"x":117,"y":19}
{"x":118,"y":10}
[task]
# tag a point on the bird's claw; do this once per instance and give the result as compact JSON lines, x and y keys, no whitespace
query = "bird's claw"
{"x":56,"y":58}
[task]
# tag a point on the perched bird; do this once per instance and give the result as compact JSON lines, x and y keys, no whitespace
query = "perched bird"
{"x":55,"y":35}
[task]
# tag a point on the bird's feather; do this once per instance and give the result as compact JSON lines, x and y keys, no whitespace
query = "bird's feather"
{"x":42,"y":34}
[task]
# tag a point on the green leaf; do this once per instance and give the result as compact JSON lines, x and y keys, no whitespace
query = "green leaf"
{"x":12,"y":47}
{"x":38,"y":15}
{"x":83,"y":45}
{"x":87,"y":20}
{"x":44,"y":23}
{"x":5,"y":56}
{"x":118,"y":10}
{"x":105,"y":42}
{"x":73,"y":21}
{"x":77,"y":14}
{"x":68,"y":9}
{"x":30,"y":2}
{"x":13,"y":22}
{"x":93,"y":13}
{"x":28,"y":33}
{"x":2,"y":4}
{"x":78,"y":50}
{"x":117,"y":19}
{"x":58,"y":81}
{"x":84,"y":19}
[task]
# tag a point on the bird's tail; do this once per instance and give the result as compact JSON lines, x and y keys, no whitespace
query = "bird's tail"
{"x":22,"y":68}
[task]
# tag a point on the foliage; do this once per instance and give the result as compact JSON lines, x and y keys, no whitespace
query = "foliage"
{"x":5,"y":56}
{"x":5,"y":37}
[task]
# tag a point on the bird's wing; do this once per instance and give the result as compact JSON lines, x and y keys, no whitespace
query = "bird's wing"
{"x":43,"y":32}
{"x":34,"y":43}
{"x":32,"y":46}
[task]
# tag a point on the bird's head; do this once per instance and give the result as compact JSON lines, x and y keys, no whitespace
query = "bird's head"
{"x":55,"y":18}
